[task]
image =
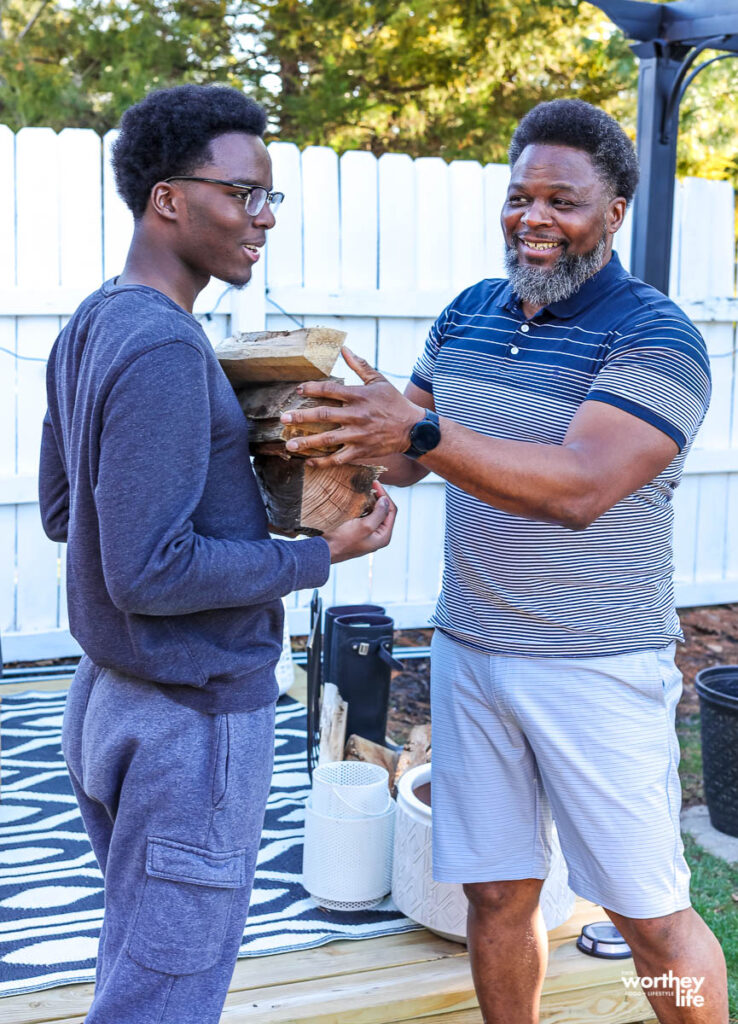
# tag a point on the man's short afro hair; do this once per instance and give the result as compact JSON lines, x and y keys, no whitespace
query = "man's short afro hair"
{"x":582,"y":126}
{"x":170,"y":131}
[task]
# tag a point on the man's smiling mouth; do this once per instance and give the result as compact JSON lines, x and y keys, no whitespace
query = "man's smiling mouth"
{"x":542,"y":246}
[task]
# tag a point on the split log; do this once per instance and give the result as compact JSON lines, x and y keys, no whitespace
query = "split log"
{"x":360,"y":749}
{"x":416,"y":751}
{"x":333,"y":715}
{"x":311,"y":499}
{"x":306,"y":354}
{"x":263,"y":405}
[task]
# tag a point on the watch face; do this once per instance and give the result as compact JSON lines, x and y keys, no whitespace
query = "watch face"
{"x":425,"y":435}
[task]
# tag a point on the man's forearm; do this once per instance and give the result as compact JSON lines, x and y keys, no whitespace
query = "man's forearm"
{"x":538,"y":481}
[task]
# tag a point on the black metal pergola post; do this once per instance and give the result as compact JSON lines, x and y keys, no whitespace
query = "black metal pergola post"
{"x":670,"y":38}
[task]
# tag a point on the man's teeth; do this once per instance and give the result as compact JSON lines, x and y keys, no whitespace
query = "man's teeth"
{"x":253,"y":248}
{"x":541,"y":245}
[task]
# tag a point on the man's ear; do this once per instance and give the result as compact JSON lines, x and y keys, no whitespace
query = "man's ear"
{"x":165,"y":199}
{"x":616,"y":214}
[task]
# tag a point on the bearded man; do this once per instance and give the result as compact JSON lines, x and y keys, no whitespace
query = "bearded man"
{"x":559,"y":406}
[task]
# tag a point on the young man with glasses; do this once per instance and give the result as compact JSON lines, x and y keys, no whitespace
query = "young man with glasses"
{"x":559,"y":405}
{"x":174,"y":584}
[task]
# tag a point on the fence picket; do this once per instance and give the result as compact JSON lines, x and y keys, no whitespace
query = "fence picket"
{"x":7,"y":397}
{"x":358,"y":221}
{"x":432,"y":239}
{"x":425,"y":541}
{"x":711,"y":528}
{"x":496,"y":178}
{"x":37,"y":175}
{"x":466,"y":187}
{"x":686,"y":506}
{"x":7,"y":570}
{"x":80,"y":209}
{"x":396,"y":222}
{"x":321,"y":223}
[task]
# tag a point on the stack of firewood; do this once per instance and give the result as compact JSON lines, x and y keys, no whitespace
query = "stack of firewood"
{"x":265,"y":369}
{"x":335,"y":747}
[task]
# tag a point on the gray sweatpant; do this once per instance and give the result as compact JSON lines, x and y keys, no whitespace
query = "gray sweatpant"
{"x":173,"y":801}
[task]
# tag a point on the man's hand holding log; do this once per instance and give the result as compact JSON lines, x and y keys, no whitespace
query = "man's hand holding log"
{"x":375,"y":419}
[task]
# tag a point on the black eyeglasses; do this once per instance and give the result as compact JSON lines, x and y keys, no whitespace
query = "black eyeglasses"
{"x":254,"y":196}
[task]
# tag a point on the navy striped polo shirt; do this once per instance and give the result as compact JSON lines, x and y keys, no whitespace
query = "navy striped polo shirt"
{"x":521,"y":587}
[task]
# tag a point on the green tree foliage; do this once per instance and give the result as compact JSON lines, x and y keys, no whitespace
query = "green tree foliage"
{"x":450,"y":78}
{"x":82,"y":63}
{"x":441,"y":77}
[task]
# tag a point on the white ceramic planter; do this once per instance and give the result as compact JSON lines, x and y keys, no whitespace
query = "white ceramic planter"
{"x":441,"y":906}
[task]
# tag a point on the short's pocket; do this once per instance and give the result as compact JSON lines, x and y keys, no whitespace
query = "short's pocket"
{"x":184,"y":907}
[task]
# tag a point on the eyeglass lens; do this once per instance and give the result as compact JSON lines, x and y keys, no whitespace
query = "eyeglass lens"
{"x":257,"y":198}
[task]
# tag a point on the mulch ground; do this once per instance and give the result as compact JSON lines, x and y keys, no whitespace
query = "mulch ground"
{"x":710,"y":638}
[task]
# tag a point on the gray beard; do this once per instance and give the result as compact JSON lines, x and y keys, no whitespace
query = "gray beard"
{"x":540,"y":286}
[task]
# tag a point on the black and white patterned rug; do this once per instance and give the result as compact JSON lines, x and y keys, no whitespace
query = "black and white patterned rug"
{"x":51,"y":891}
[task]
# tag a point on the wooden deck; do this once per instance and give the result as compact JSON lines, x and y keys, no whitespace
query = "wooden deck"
{"x":409,"y":977}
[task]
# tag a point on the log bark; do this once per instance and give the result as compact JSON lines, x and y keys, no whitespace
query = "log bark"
{"x":333,"y":714}
{"x":264,"y":404}
{"x":311,"y":500}
{"x":305,"y":354}
{"x":360,"y":749}
{"x":416,"y":751}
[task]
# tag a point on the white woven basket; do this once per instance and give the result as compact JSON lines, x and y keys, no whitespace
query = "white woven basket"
{"x":349,"y":836}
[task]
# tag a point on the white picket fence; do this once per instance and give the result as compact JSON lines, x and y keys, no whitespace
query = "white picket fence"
{"x":374,"y":246}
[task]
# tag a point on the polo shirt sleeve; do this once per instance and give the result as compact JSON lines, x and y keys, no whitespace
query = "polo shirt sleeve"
{"x":658,"y":371}
{"x":422,"y":375}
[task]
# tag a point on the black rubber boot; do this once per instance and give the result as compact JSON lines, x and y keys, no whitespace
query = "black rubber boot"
{"x":337,"y":611}
{"x":360,"y":665}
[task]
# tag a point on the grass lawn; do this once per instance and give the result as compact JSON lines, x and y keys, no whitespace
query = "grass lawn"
{"x":714,"y":882}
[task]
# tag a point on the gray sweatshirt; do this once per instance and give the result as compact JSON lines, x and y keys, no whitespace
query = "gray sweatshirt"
{"x":145,"y":472}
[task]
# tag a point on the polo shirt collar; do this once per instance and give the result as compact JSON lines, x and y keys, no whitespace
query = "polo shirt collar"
{"x":593,"y":289}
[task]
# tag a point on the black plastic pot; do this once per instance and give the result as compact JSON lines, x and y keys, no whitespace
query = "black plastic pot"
{"x":718,"y":693}
{"x":361,"y":662}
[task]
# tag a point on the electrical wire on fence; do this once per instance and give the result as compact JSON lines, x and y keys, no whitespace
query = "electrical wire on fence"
{"x":17,"y":355}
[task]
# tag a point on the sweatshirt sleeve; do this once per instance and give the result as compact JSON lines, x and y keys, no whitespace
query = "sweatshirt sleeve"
{"x":153,"y":463}
{"x":53,"y":485}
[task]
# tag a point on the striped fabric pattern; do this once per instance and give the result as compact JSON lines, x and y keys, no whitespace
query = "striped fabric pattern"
{"x":521,"y":587}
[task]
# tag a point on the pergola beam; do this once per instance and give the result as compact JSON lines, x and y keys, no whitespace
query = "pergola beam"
{"x":670,"y":38}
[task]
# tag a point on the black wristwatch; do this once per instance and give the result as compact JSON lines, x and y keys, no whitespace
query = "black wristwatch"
{"x":424,"y":436}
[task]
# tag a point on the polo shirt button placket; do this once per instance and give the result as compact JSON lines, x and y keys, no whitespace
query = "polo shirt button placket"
{"x":514,"y":350}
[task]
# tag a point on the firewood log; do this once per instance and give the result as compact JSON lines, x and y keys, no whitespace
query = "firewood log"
{"x":333,"y":715}
{"x":305,"y":354}
{"x":311,"y":499}
{"x":416,"y":751}
{"x":264,"y":404}
{"x":360,"y":749}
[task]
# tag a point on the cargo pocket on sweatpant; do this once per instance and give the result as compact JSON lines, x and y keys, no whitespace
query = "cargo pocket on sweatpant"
{"x":184,"y":907}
